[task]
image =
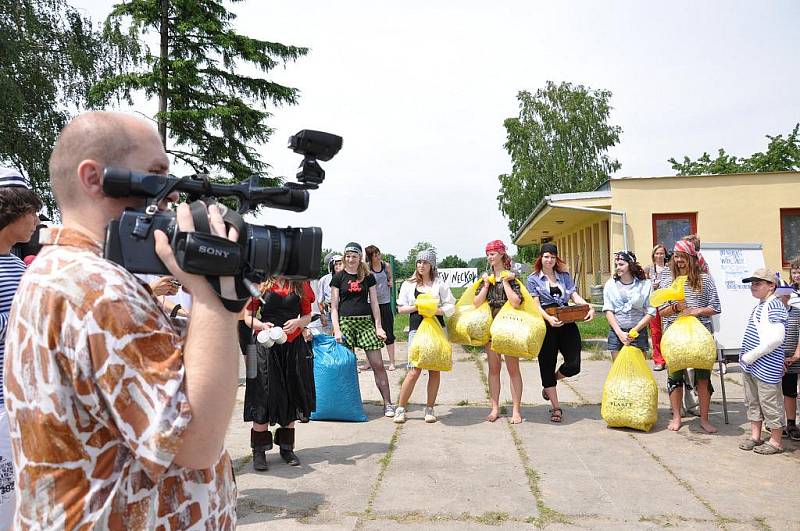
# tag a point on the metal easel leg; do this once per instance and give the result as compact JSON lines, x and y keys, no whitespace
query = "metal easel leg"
{"x":722,"y":384}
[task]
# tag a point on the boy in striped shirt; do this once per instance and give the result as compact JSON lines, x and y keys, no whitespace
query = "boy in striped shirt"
{"x":18,"y":220}
{"x":761,"y":360}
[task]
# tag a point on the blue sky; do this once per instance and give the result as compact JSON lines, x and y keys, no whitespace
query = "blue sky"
{"x":419,"y":91}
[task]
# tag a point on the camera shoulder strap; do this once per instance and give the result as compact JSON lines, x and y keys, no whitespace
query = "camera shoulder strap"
{"x":199,"y":211}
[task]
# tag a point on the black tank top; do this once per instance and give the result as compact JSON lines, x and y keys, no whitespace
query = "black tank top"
{"x":415,"y":319}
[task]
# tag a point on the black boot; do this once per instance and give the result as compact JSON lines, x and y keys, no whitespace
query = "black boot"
{"x":260,"y":442}
{"x":284,"y":437}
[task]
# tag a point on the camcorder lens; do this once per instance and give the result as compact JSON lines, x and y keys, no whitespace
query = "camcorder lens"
{"x":288,"y":252}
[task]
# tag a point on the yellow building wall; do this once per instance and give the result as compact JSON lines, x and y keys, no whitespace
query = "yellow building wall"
{"x":738,"y":208}
{"x":584,"y":249}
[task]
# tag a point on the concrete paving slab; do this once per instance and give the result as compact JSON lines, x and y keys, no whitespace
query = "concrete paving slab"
{"x":255,"y":521}
{"x":531,"y":385}
{"x":448,"y":525}
{"x":460,"y":464}
{"x":726,"y":477}
{"x":634,"y":524}
{"x":461,"y":386}
{"x":582,"y":465}
{"x":340,"y":463}
{"x":586,"y":468}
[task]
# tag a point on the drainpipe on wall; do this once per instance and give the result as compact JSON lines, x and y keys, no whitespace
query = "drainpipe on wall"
{"x":600,"y":211}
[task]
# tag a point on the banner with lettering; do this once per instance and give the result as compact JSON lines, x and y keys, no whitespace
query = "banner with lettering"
{"x":458,"y":277}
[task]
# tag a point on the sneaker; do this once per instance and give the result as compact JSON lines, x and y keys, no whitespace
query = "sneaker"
{"x":389,"y":410}
{"x":659,"y":367}
{"x":429,"y":416}
{"x":400,"y":415}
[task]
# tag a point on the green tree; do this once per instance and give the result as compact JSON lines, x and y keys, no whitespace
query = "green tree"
{"x":323,"y":265}
{"x":783,"y":154}
{"x":49,"y":57}
{"x":409,"y":265}
{"x":558,"y":143}
{"x":479,"y":263}
{"x":526,"y":254}
{"x":453,"y":261}
{"x":212,"y":112}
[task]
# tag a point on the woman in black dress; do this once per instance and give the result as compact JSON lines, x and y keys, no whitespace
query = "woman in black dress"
{"x":283,"y":390}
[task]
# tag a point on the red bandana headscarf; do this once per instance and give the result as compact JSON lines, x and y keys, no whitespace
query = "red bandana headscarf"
{"x":499,"y":247}
{"x":687,"y":247}
{"x":496,"y":245}
{"x":682,"y":246}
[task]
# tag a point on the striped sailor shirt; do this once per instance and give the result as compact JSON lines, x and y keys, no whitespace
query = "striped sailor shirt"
{"x":11,"y":270}
{"x":792,"y":334}
{"x":705,"y":298}
{"x":769,"y":367}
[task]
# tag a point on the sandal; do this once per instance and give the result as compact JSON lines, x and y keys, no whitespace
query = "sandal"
{"x":544,"y":395}
{"x":555,"y":414}
{"x":749,"y":444}
{"x":767,"y":449}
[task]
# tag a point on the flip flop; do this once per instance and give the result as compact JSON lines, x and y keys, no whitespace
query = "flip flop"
{"x":749,"y":444}
{"x":767,"y":449}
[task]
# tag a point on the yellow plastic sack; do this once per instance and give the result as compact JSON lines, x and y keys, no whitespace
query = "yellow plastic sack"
{"x":519,"y":331}
{"x":630,"y":394}
{"x":688,"y":344}
{"x":426,"y":304}
{"x":675,"y":292}
{"x":469,"y":325}
{"x":430,"y":348}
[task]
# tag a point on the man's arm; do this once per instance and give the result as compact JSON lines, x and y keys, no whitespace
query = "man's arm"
{"x":210,"y":354}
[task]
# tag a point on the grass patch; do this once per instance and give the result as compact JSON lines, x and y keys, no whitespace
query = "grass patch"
{"x":599,"y":355}
{"x":384,"y":464}
{"x":597,"y":327}
{"x":547,"y":515}
{"x":492,"y":518}
{"x":400,"y":325}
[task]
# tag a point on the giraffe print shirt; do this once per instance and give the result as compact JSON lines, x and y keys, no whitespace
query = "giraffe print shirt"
{"x":96,"y":402}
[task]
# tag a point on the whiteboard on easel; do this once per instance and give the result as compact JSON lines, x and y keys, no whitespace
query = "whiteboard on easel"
{"x":728,"y":264}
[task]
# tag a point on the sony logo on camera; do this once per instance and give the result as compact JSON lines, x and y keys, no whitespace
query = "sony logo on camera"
{"x":205,"y":249}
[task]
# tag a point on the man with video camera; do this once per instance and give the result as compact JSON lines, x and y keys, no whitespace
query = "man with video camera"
{"x":117,"y":418}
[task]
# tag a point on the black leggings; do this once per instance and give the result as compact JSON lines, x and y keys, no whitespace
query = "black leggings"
{"x":789,"y":384}
{"x":567,"y":339}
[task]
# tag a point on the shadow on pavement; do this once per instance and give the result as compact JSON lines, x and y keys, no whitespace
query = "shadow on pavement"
{"x":576,"y":414}
{"x":269,"y":505}
{"x":344,"y":454}
{"x":462,"y":416}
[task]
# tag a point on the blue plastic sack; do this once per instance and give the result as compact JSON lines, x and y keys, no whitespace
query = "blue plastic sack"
{"x":336,"y":382}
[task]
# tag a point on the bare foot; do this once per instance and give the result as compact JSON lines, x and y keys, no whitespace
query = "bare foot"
{"x":707,"y":426}
{"x":516,"y":418}
{"x":492,"y":416}
{"x":675,"y":424}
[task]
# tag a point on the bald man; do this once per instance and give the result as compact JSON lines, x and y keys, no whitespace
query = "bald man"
{"x":117,"y":418}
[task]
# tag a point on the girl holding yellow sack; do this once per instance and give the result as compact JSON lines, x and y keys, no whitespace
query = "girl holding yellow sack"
{"x":626,"y":304}
{"x":552,"y":286}
{"x":701,"y":301}
{"x":425,"y":280}
{"x":497,"y":288}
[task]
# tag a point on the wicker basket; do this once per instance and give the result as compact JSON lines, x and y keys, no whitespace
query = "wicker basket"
{"x":569,"y":314}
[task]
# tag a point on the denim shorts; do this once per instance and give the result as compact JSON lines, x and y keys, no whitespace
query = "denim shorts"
{"x":614,"y":344}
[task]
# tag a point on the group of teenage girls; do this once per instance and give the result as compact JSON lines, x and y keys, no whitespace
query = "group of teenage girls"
{"x":354,"y":308}
{"x":626,"y":303}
